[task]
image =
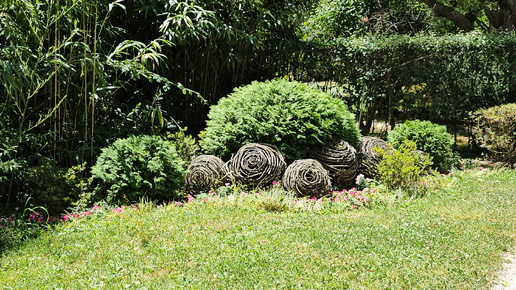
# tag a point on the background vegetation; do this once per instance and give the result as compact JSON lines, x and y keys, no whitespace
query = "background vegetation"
{"x":78,"y":75}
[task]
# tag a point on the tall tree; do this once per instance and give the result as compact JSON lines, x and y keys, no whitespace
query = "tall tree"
{"x":491,"y":15}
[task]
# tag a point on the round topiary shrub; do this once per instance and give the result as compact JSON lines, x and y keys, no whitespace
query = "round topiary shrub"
{"x":257,"y":164}
{"x":289,"y":115}
{"x":430,"y":138}
{"x":136,"y":167}
{"x":307,"y":177}
{"x":204,"y":173}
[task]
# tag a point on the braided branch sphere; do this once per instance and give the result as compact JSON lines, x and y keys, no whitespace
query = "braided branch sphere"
{"x":340,"y":159}
{"x":256,"y":164}
{"x":307,"y":177}
{"x":204,"y":173}
{"x":368,"y":159}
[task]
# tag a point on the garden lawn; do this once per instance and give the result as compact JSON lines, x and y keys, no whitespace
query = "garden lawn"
{"x":451,"y":239}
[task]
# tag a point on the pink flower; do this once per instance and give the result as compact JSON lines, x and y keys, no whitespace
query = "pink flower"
{"x":451,"y":173}
{"x":205,"y":200}
{"x":274,"y":183}
{"x":64,"y":218}
{"x":16,"y":208}
{"x":337,"y":199}
{"x":95,"y":207}
{"x":178,"y":203}
{"x":481,"y":168}
{"x":190,"y":198}
{"x":313,"y":199}
{"x":117,"y":210}
{"x":122,"y":207}
{"x":367,"y":199}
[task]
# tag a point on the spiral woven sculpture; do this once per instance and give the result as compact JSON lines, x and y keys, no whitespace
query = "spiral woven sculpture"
{"x":204,"y":173}
{"x":368,"y":160}
{"x":340,"y":159}
{"x":307,"y":177}
{"x":257,"y":164}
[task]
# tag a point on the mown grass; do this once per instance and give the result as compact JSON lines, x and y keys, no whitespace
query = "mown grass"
{"x":451,"y":239}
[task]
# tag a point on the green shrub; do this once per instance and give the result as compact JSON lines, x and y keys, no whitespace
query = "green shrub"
{"x":403,"y":168}
{"x":186,"y":146}
{"x":54,"y":188}
{"x":495,"y":130}
{"x":430,"y":138}
{"x":289,"y":115}
{"x":136,"y":167}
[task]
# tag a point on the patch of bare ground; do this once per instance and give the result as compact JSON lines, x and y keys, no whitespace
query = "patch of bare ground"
{"x":507,"y":278}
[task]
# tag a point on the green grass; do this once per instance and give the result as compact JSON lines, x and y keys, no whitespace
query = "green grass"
{"x":451,"y":239}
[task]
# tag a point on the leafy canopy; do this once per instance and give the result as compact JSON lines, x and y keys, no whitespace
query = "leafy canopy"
{"x":290,"y":115}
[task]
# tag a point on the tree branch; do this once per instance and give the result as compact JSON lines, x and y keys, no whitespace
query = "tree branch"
{"x":461,"y":20}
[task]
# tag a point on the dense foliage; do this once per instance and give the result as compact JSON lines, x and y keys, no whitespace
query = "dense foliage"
{"x":137,"y":167}
{"x":432,"y":78}
{"x":428,"y":137}
{"x":78,"y":75}
{"x":495,"y":130}
{"x":342,"y":18}
{"x":288,"y":114}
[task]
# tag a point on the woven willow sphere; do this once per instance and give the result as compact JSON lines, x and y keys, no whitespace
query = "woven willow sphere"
{"x":340,"y":159}
{"x":204,"y":173}
{"x":257,"y":164}
{"x":368,"y":160}
{"x":307,"y":177}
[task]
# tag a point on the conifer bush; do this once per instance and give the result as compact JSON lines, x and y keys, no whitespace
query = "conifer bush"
{"x":137,"y":167}
{"x":430,"y":138}
{"x":287,"y":114}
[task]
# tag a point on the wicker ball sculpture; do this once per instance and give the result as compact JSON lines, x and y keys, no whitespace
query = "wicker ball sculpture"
{"x":368,"y":160}
{"x":340,"y":159}
{"x":204,"y":173}
{"x":307,"y":177}
{"x":258,"y":164}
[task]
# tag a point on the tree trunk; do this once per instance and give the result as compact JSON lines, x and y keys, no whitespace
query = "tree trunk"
{"x":463,"y":21}
{"x":503,"y":18}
